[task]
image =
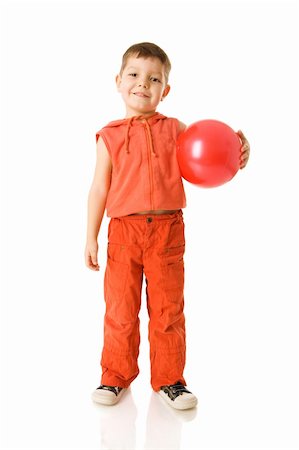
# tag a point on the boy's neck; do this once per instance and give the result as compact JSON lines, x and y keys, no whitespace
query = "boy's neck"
{"x":143,"y":115}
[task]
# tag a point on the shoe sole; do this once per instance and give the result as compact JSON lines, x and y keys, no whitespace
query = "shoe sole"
{"x":186,"y":404}
{"x":105,"y":398}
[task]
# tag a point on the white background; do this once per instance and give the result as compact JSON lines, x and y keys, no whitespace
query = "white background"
{"x":232,"y":61}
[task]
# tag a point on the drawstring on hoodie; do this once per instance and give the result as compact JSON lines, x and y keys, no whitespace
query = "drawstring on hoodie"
{"x":127,"y":134}
{"x":148,"y":130}
{"x":150,"y":138}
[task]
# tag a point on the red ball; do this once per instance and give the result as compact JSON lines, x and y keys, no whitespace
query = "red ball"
{"x":208,"y":153}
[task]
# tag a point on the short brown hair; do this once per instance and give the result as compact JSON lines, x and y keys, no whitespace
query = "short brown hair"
{"x":147,"y":50}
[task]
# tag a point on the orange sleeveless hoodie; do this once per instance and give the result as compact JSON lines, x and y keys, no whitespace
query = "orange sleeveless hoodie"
{"x":145,"y":171}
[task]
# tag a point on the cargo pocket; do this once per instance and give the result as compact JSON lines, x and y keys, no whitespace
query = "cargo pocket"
{"x":172,"y":268}
{"x":174,"y":274}
{"x":115,"y":280}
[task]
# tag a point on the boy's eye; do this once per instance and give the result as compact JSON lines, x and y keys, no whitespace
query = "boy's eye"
{"x":132,"y":74}
{"x":156,"y":79}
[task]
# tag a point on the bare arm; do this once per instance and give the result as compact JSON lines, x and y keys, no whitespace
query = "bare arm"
{"x":182,"y":126}
{"x":97,"y":202}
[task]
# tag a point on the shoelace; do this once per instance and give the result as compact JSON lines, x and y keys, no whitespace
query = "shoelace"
{"x":115,"y":389}
{"x":174,"y":390}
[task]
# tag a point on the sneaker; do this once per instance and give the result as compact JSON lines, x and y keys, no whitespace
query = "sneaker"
{"x":107,"y":395}
{"x":177,"y":396}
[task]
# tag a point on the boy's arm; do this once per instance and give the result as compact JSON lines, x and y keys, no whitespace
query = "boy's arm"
{"x":99,"y":191}
{"x":182,"y":126}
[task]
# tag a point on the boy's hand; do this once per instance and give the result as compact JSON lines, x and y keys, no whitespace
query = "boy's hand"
{"x":91,"y":255}
{"x":245,"y":150}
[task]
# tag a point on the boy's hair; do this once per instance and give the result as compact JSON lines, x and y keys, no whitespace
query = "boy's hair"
{"x":147,"y":50}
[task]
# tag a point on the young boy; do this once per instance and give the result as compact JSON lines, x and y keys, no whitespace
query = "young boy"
{"x":137,"y":179}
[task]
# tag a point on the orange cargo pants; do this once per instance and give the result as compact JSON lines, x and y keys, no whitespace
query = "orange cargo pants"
{"x":153,"y":244}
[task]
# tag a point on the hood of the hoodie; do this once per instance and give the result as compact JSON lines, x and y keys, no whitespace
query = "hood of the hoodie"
{"x":151,"y":120}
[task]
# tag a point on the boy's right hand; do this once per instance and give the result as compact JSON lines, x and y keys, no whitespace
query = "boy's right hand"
{"x":91,"y":255}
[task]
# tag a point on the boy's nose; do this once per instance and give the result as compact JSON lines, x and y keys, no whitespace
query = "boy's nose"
{"x":143,"y":83}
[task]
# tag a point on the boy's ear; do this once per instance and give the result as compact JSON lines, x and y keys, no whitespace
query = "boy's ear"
{"x":165,"y":92}
{"x":117,"y":81}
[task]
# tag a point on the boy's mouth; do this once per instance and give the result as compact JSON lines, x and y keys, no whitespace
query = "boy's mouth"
{"x":140,"y":94}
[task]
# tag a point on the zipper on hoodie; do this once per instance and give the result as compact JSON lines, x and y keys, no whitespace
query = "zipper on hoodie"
{"x":150,"y":168}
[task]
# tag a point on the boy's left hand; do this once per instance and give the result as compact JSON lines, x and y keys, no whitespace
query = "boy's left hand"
{"x":245,"y":150}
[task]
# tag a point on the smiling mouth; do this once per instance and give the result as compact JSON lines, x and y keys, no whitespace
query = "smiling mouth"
{"x":139,"y":94}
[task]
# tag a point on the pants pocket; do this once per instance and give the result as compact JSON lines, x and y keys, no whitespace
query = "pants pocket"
{"x":115,"y":280}
{"x":173,"y":275}
{"x":172,"y":268}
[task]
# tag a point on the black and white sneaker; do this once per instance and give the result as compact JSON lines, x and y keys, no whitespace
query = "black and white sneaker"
{"x":107,"y":395}
{"x":177,"y":396}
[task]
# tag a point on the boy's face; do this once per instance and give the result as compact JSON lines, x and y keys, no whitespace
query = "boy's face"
{"x":142,"y":85}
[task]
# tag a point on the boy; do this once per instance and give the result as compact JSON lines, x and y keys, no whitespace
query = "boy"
{"x":137,"y":179}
